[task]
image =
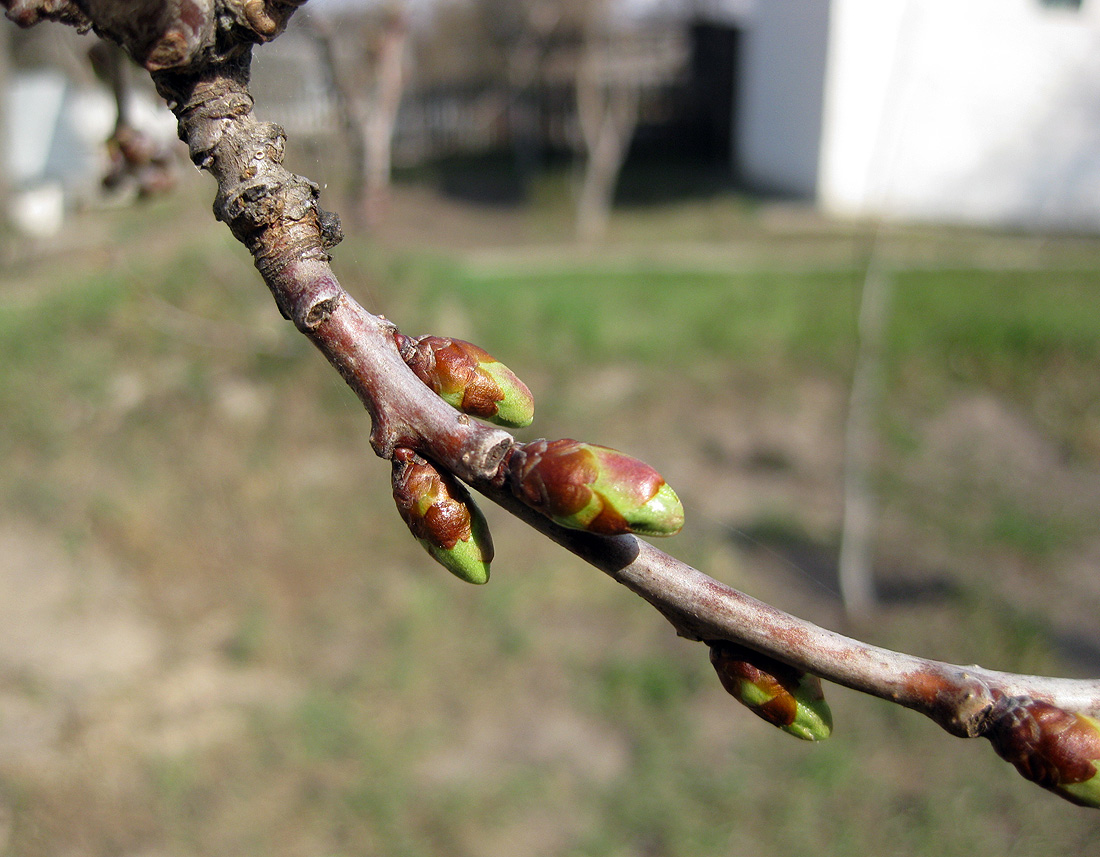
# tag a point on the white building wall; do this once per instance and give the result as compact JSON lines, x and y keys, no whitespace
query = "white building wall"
{"x":778,"y":131}
{"x":980,"y":111}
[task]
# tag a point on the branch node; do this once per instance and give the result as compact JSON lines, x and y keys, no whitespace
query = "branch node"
{"x":171,"y":50}
{"x":27,"y":13}
{"x":484,"y":459}
{"x":313,"y":303}
{"x":332,"y":232}
{"x":965,"y":712}
{"x":320,"y":311}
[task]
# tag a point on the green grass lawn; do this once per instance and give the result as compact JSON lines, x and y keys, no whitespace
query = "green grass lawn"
{"x":319,"y":688}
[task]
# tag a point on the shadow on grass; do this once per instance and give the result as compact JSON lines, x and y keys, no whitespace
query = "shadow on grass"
{"x":498,"y":179}
{"x":812,"y":560}
{"x":651,"y":181}
{"x":1080,"y":651}
{"x":818,"y":561}
{"x":491,"y":179}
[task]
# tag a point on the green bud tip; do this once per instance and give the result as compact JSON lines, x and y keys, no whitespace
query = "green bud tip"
{"x":517,"y":408}
{"x":469,"y":378}
{"x":442,"y":516}
{"x":467,"y":560}
{"x":786,"y":697}
{"x":595,"y":488}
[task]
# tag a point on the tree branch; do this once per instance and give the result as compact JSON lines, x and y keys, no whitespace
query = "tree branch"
{"x":1047,"y":727}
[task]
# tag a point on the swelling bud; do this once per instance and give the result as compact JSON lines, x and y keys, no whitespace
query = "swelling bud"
{"x":1057,"y":749}
{"x":774,"y":691}
{"x":442,"y":516}
{"x":469,"y":378}
{"x":589,"y":487}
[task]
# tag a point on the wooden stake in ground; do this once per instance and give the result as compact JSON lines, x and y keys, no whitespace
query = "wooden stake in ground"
{"x":856,"y":572}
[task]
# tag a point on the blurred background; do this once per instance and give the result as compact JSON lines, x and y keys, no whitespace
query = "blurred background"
{"x":832,"y":267}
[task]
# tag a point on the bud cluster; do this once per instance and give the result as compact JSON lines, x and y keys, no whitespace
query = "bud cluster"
{"x":442,"y":516}
{"x":774,"y":691}
{"x":1057,"y":749}
{"x":579,"y":485}
{"x":589,"y":487}
{"x":469,"y":378}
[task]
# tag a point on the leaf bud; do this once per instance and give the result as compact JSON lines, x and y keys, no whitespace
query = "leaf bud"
{"x":442,"y":516}
{"x":469,"y":378}
{"x":1057,"y":749}
{"x":589,"y":487}
{"x":774,"y":691}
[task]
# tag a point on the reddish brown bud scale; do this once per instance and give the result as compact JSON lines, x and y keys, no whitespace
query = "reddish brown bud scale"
{"x":734,"y":665}
{"x":468,"y":378}
{"x":554,"y":476}
{"x":450,"y":368}
{"x":442,"y":516}
{"x":776,"y":692}
{"x":590,"y":487}
{"x":1057,"y":749}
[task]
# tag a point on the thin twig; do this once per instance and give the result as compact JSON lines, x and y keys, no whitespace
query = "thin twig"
{"x":200,"y":63}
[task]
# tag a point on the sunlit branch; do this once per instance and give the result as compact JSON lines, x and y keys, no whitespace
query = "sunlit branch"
{"x":199,"y":52}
